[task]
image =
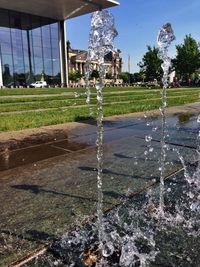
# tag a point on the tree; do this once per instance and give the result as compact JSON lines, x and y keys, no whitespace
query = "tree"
{"x":151,"y":64}
{"x":109,"y":75}
{"x":187,"y":60}
{"x":138,"y":76}
{"x":124,"y":76}
{"x":74,"y":76}
{"x":95,"y":74}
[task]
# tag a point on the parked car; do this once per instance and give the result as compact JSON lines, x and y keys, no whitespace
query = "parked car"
{"x":39,"y":84}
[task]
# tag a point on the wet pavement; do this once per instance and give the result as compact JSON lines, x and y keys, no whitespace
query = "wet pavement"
{"x":46,"y":189}
{"x":18,"y":157}
{"x":130,"y":227}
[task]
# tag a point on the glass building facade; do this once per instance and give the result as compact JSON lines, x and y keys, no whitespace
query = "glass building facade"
{"x":29,"y":49}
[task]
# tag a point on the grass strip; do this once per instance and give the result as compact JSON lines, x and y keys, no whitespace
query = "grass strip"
{"x":53,"y":117}
{"x":44,"y":91}
{"x":73,"y":102}
{"x":142,"y":94}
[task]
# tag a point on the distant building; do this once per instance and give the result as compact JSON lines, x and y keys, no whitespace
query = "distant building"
{"x":77,"y":59}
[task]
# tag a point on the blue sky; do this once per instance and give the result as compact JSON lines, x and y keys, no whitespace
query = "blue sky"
{"x":138,"y":22}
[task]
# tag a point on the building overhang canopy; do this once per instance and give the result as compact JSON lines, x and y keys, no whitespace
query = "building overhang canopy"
{"x":57,"y":9}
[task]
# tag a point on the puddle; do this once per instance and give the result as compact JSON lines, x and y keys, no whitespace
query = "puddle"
{"x":70,"y":146}
{"x":16,"y":158}
{"x":10,"y":159}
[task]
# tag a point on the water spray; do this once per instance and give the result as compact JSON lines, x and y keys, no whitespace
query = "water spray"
{"x":164,"y":39}
{"x":101,"y":39}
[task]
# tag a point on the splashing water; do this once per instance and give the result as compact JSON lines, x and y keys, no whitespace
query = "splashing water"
{"x":188,"y":206}
{"x":77,"y":94}
{"x":101,"y":39}
{"x":88,"y":72}
{"x":164,"y":39}
{"x":197,"y":174}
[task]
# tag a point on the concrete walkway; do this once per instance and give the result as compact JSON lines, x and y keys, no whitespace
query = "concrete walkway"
{"x":47,"y":189}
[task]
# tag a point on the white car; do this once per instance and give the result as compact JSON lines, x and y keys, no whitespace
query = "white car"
{"x":39,"y":84}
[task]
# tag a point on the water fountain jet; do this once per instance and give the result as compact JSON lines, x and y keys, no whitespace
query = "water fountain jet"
{"x":164,"y":39}
{"x":101,"y":39}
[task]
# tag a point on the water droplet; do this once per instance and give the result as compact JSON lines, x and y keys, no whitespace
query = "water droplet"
{"x":165,"y":146}
{"x":148,"y":138}
{"x":194,"y":206}
{"x":99,"y":98}
{"x":99,"y":86}
{"x":179,"y":218}
{"x":77,"y":94}
{"x":155,"y":129}
{"x":108,"y":249}
{"x":165,"y":36}
{"x":151,"y":149}
{"x":191,"y":195}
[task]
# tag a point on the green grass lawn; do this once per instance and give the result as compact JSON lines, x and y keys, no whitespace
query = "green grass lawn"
{"x":46,"y":91}
{"x":40,"y":107}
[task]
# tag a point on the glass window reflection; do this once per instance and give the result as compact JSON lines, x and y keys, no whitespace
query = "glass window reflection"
{"x":29,"y":49}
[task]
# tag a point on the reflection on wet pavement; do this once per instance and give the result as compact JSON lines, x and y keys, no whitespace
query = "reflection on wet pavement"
{"x":14,"y":158}
{"x":181,"y":127}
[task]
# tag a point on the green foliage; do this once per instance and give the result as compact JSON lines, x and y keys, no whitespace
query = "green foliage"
{"x":125,"y":76}
{"x":187,"y":60}
{"x":138,"y":76}
{"x":95,"y":74}
{"x":109,"y":75}
{"x":151,"y":64}
{"x":74,"y":76}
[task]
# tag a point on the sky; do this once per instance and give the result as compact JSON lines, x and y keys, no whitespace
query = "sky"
{"x":138,"y":23}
